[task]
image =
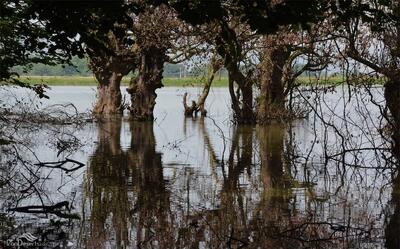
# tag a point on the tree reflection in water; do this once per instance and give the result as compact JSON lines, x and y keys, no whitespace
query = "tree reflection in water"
{"x":329,"y":183}
{"x":254,"y":196}
{"x":392,"y":231}
{"x":127,"y":189}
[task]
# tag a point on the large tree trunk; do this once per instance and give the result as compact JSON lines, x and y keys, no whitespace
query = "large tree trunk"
{"x":109,"y":68}
{"x":108,"y":93}
{"x":271,"y":101}
{"x":109,"y":71}
{"x":143,"y":88}
{"x":392,"y":97}
{"x":247,"y":115}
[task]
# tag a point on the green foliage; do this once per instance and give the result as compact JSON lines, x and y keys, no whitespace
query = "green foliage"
{"x":263,"y":16}
{"x":21,"y":41}
{"x":35,"y":34}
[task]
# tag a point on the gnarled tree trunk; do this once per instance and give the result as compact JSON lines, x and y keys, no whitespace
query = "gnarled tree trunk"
{"x":109,"y":71}
{"x":143,"y":88}
{"x":108,"y":93}
{"x":271,"y":101}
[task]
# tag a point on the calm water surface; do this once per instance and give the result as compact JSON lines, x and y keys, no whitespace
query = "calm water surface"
{"x":206,"y":183}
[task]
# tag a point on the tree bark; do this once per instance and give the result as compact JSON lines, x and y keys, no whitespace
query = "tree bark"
{"x":143,"y":88}
{"x":271,"y":102}
{"x":109,"y":68}
{"x":108,"y":93}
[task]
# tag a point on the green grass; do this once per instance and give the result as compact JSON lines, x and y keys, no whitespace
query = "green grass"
{"x":63,"y":80}
{"x":180,"y":82}
{"x":91,"y":81}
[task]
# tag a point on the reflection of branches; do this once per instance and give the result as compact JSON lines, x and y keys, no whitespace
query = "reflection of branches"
{"x":210,"y":148}
{"x":45,"y":209}
{"x":223,"y":139}
{"x":59,"y":165}
{"x":31,"y":129}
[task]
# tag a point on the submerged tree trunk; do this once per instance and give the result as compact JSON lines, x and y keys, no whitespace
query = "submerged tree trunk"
{"x":143,"y":88}
{"x":271,"y":102}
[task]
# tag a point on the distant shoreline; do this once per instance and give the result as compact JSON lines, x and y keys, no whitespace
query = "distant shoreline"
{"x":168,"y":81}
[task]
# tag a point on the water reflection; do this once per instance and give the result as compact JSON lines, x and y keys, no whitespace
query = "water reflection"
{"x":392,"y":231}
{"x":253,"y":201}
{"x":127,"y":188}
{"x":203,"y":183}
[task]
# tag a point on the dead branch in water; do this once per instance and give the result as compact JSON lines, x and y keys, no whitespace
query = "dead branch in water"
{"x":215,"y":66}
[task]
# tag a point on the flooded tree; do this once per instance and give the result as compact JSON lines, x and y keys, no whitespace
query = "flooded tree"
{"x":279,"y":67}
{"x":152,"y":32}
{"x":109,"y":68}
{"x":232,"y":36}
{"x":98,"y":31}
{"x":371,"y":39}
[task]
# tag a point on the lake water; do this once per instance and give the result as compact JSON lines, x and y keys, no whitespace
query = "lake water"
{"x":326,"y":181}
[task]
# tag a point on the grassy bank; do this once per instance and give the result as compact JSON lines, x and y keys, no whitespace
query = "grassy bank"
{"x":179,"y":82}
{"x":91,"y":81}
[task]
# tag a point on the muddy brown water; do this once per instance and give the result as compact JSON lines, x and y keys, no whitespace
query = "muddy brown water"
{"x":206,"y":183}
